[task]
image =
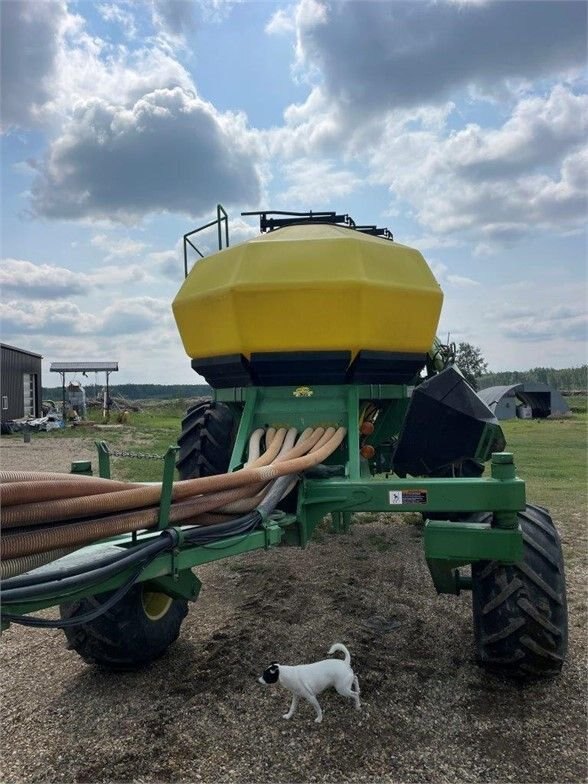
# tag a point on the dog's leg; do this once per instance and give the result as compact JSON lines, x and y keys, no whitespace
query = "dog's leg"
{"x":315,"y":704}
{"x":356,"y":691}
{"x":345,"y":690}
{"x":293,"y":707}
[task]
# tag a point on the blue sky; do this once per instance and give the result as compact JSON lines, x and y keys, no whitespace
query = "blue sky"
{"x":459,"y":124}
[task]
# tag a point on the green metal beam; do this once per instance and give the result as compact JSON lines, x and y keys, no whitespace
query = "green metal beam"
{"x":185,"y":585}
{"x":164,"y":566}
{"x":414,"y":495}
{"x":467,"y":542}
{"x":449,"y":545}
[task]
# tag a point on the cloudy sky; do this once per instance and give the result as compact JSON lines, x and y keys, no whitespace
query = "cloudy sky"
{"x":459,"y":124}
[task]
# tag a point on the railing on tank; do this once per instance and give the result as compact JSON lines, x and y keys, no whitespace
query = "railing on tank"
{"x":221,"y":216}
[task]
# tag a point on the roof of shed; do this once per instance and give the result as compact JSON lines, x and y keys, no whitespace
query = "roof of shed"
{"x":21,"y":350}
{"x":82,"y":367}
{"x":492,"y":395}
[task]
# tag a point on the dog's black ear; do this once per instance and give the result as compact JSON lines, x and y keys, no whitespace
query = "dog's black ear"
{"x":272,"y":673}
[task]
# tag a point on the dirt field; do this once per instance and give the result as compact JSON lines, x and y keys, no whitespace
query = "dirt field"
{"x":429,"y":713}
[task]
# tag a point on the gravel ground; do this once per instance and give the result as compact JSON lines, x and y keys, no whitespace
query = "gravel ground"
{"x":429,"y":713}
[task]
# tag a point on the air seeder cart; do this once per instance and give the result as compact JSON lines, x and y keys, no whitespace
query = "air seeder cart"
{"x":331,"y":395}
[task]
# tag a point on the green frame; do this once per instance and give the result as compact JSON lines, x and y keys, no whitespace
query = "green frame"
{"x":453,"y":538}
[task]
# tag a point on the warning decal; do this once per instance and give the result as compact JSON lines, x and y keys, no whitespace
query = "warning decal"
{"x":401,"y":497}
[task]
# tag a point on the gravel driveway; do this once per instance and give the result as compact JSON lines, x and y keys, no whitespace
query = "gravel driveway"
{"x":198,"y":714}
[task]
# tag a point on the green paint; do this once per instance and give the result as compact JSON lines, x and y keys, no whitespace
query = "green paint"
{"x":83,"y":467}
{"x":167,"y":486}
{"x":448,"y":544}
{"x":103,"y":459}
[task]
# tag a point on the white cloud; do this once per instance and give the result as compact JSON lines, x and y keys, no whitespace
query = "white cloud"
{"x":116,"y":247}
{"x":314,"y":182}
{"x":111,"y":12}
{"x":90,"y":69}
{"x":46,"y":318}
{"x":169,"y":263}
{"x":42,"y":84}
{"x":373,"y":57}
{"x":281,"y":22}
{"x":23,"y":279}
{"x":176,"y":19}
{"x":31,"y":34}
{"x":444,"y":276}
{"x":310,"y":128}
{"x":123,"y":317}
{"x":137,"y":314}
{"x":160,"y":155}
{"x":544,"y":322}
{"x":538,"y":134}
{"x":462,"y":281}
{"x":493,"y":184}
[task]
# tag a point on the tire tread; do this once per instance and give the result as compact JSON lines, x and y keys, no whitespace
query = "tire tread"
{"x":520,"y":610}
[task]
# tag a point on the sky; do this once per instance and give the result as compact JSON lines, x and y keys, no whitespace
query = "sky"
{"x":458,"y":124}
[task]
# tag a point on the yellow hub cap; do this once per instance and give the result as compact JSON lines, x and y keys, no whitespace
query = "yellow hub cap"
{"x":155,"y":604}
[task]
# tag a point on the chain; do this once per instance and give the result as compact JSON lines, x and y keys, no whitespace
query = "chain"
{"x":137,"y":455}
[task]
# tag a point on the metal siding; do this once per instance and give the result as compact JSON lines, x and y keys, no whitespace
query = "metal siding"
{"x":534,"y":394}
{"x":13,"y":364}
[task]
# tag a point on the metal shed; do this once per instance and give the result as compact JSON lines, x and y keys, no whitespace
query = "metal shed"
{"x":84,"y":367}
{"x":540,"y":398}
{"x":20,"y":383}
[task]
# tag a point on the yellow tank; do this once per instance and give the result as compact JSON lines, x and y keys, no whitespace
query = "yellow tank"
{"x":314,"y":287}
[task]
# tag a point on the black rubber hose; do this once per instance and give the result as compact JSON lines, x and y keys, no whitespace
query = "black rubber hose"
{"x":124,"y":558}
{"x":147,"y":553}
{"x":40,"y":590}
{"x":48,"y":623}
{"x":18,"y":589}
{"x":23,"y":580}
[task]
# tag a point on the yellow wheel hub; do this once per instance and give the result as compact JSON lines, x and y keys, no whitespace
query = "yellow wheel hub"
{"x":155,"y":604}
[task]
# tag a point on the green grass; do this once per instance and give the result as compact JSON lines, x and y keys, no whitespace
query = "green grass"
{"x":550,"y":455}
{"x":158,"y":428}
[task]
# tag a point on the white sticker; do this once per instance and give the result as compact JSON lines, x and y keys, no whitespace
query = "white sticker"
{"x":395,"y":496}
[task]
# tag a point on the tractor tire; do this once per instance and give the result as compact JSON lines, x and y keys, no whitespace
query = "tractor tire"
{"x":134,"y":632}
{"x":520,"y":611}
{"x":206,"y":441}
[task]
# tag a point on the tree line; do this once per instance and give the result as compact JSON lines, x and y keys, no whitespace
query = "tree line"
{"x":139,"y":391}
{"x":472,"y":364}
{"x":559,"y":378}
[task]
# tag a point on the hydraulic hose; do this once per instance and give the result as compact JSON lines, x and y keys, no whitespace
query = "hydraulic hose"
{"x":38,"y":540}
{"x":68,"y":508}
{"x":64,"y":584}
{"x":64,"y":509}
{"x":40,"y":476}
{"x":307,"y":441}
{"x":258,"y":491}
{"x":16,"y":566}
{"x":21,"y":590}
{"x":28,"y":542}
{"x":255,"y":445}
{"x":26,"y":492}
{"x":142,"y":556}
{"x":76,"y":534}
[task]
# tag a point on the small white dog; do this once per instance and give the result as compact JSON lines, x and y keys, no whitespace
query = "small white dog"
{"x":308,"y":680}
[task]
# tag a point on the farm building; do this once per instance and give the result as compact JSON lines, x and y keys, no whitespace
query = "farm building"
{"x":20,"y":383}
{"x":526,"y":400}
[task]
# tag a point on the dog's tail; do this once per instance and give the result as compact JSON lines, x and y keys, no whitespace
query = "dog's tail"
{"x":339,"y":647}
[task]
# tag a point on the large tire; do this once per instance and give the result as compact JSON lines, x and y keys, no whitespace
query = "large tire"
{"x":206,"y":441}
{"x":520,"y":612}
{"x":135,"y":631}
